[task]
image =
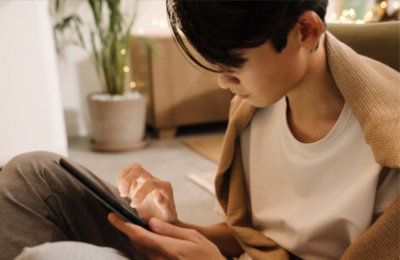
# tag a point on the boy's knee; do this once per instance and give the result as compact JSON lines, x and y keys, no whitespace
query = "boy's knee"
{"x":31,"y":160}
{"x":33,"y":173}
{"x":33,"y":157}
{"x":26,"y":166}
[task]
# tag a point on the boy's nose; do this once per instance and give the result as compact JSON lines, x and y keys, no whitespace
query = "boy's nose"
{"x":227,"y":81}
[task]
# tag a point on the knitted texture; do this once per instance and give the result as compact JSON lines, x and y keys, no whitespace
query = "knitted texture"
{"x":373,"y":92}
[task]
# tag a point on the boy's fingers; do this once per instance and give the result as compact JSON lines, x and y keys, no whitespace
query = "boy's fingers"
{"x":167,"y":229}
{"x":142,"y":237}
{"x":160,"y":199}
{"x":120,"y":224}
{"x":148,"y":186}
{"x":123,"y":187}
{"x":131,"y":178}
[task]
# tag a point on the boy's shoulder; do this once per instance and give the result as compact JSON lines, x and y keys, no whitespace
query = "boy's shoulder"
{"x":371,"y":88}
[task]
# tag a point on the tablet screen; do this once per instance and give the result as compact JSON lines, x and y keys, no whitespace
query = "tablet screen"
{"x":104,"y":197}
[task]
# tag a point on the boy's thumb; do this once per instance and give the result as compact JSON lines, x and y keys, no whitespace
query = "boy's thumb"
{"x":163,"y":228}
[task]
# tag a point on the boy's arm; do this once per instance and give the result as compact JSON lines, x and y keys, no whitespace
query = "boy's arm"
{"x":220,"y":235}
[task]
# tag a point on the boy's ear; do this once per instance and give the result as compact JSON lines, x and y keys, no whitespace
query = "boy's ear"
{"x":311,"y":29}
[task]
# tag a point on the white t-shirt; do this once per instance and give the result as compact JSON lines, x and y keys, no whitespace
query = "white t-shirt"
{"x":313,"y":199}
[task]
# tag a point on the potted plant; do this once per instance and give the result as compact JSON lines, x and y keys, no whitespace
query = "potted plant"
{"x":117,"y":112}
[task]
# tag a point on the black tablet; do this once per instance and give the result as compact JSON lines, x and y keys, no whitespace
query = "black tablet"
{"x":105,"y":198}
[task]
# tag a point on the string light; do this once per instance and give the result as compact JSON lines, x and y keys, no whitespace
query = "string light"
{"x":133,"y":85}
{"x":368,"y":16}
{"x":352,"y":13}
{"x":126,"y":69}
{"x":123,"y":52}
{"x":333,"y":16}
{"x":373,"y":15}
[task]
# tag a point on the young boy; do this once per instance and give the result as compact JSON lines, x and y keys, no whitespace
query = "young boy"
{"x":310,"y":165}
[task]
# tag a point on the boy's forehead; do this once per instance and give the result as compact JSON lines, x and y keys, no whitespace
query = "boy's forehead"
{"x":216,"y":67}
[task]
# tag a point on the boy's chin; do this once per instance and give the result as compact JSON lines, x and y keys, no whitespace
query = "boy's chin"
{"x":258,"y":103}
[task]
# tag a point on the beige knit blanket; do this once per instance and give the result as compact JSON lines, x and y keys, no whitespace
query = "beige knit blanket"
{"x":373,"y":92}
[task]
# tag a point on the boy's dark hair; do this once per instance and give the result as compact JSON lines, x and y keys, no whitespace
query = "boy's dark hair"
{"x":217,"y":29}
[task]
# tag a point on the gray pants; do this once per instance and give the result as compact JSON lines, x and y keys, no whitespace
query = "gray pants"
{"x":41,"y":203}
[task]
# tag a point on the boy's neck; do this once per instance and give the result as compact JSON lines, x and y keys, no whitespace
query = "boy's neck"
{"x":315,"y":105}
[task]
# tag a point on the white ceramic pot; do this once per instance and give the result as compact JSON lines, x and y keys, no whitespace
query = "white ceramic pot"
{"x":118,"y":122}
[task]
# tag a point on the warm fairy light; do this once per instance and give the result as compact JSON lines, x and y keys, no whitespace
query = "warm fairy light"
{"x":133,"y":84}
{"x":126,"y":69}
{"x":123,"y":52}
{"x":352,"y":13}
{"x":347,"y":16}
{"x":342,"y":19}
{"x":333,"y":16}
{"x":368,"y":16}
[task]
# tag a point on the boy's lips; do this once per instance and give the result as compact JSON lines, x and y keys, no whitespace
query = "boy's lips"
{"x":243,"y":96}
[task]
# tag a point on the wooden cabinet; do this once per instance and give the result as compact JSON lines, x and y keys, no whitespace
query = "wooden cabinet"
{"x":177,"y":92}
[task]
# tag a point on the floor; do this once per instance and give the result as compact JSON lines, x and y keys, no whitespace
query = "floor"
{"x":169,"y":160}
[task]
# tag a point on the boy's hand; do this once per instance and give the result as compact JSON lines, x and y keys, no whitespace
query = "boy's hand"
{"x":167,"y":241}
{"x":150,"y":196}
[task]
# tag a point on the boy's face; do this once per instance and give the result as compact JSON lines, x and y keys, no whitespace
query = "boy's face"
{"x":267,"y":75}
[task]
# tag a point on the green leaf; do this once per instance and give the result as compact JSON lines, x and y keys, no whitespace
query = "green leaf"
{"x":107,"y":38}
